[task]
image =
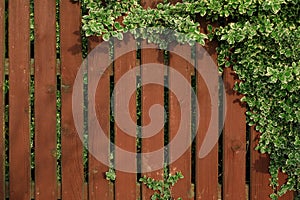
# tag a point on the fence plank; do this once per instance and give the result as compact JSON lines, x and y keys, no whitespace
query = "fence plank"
{"x":19,"y":135}
{"x":206,"y":138}
{"x":180,"y":118}
{"x":71,"y":58}
{"x":152,"y":94}
{"x":125,"y":137}
{"x":2,"y":108}
{"x":45,"y":94}
{"x":98,"y":60}
{"x":234,"y":142}
{"x":259,"y":171}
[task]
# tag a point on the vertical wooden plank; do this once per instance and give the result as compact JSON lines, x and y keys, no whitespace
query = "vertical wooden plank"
{"x":98,"y":61}
{"x":19,"y":136}
{"x":45,"y":94}
{"x":178,"y":121}
{"x":152,"y":94}
{"x":125,"y":184}
{"x":259,"y":173}
{"x":71,"y":58}
{"x":207,"y":95}
{"x":2,"y":137}
{"x":183,"y":188}
{"x":259,"y":170}
{"x":234,"y":141}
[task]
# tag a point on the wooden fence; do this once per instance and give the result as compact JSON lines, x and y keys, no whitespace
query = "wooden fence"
{"x":79,"y":181}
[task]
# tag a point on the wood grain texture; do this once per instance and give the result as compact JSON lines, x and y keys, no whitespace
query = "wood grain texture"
{"x":45,"y":94}
{"x":71,"y":58}
{"x":180,"y":118}
{"x":98,"y":61}
{"x":19,"y":111}
{"x":207,"y":135}
{"x":125,"y":138}
{"x":152,"y":94}
{"x":234,"y":142}
{"x":259,"y":171}
{"x":2,"y":108}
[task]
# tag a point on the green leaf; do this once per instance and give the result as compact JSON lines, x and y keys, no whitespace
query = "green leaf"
{"x":106,"y":37}
{"x":120,"y":36}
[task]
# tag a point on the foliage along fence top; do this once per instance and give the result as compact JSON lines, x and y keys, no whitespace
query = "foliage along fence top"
{"x":159,"y":106}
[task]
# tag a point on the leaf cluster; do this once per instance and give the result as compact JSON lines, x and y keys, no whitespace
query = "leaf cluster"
{"x":162,"y":188}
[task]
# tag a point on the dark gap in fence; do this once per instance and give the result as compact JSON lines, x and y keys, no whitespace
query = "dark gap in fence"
{"x":139,"y":111}
{"x":112,"y":103}
{"x":221,"y":125}
{"x":57,"y":36}
{"x":166,"y":108}
{"x":58,"y":102}
{"x":112,"y":125}
{"x":85,"y":121}
{"x":6,"y":125}
{"x":85,"y":81}
{"x":32,"y":128}
{"x":194,"y":111}
{"x":112,"y":128}
{"x":31,"y":18}
{"x":58,"y":128}
{"x":139,"y":130}
{"x":32,"y":95}
{"x":193,"y":128}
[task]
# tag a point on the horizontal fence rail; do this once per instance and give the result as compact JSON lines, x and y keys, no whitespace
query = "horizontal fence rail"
{"x":89,"y":128}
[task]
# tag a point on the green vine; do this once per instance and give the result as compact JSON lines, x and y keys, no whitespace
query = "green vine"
{"x":259,"y":39}
{"x":162,"y":188}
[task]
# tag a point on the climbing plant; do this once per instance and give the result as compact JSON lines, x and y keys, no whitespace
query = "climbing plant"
{"x":260,"y":39}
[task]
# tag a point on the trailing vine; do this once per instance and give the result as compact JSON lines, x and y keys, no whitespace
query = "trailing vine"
{"x":259,"y":39}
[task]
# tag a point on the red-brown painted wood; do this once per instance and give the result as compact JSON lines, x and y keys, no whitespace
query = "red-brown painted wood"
{"x":234,"y":142}
{"x":98,"y":61}
{"x":19,"y":136}
{"x":45,"y":94}
{"x":2,"y":140}
{"x":71,"y":58}
{"x":179,"y":61}
{"x":125,"y":184}
{"x":207,"y":166}
{"x":152,"y":94}
{"x":150,"y":3}
{"x":259,"y":173}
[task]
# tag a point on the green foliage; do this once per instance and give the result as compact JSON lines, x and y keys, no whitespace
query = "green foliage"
{"x":162,"y":188}
{"x":259,"y":39}
{"x":264,"y":52}
{"x":110,"y":175}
